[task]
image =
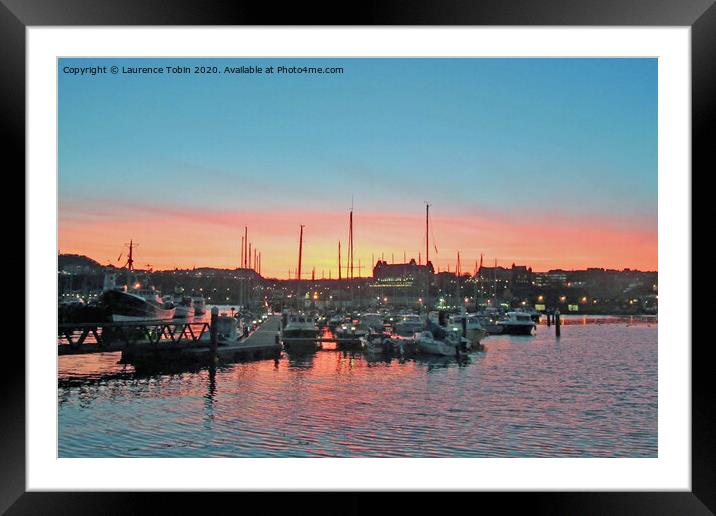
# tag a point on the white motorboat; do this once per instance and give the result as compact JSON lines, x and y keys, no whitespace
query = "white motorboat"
{"x":409,"y":325}
{"x":402,"y":345}
{"x":517,"y":323}
{"x":374,"y":322}
{"x":352,"y":330}
{"x":184,"y":308}
{"x":449,"y":345}
{"x":227,"y":331}
{"x":299,"y":326}
{"x":299,"y":332}
{"x":489,"y":322}
{"x":474,"y":332}
{"x":375,"y":345}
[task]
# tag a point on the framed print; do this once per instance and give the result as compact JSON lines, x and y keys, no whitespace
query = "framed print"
{"x":423,"y":252}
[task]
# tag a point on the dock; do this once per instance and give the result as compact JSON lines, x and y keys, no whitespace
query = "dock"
{"x":153,"y":342}
{"x":262,"y":343}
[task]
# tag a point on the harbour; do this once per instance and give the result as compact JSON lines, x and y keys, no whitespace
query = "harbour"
{"x":391,"y":258}
{"x":597,"y":384}
{"x":426,"y":364}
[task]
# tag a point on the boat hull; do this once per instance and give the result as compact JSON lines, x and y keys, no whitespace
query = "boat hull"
{"x":517,"y":329}
{"x":437,"y":348}
{"x":184,"y":312}
{"x":299,"y":334}
{"x":124,"y":307}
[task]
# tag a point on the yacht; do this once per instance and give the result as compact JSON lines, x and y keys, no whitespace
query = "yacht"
{"x":517,"y":323}
{"x":299,"y":326}
{"x":409,"y":325}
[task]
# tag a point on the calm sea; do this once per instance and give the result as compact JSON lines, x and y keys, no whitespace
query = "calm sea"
{"x":591,"y":393}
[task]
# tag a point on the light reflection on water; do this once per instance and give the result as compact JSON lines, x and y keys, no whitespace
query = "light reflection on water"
{"x":592,"y":393}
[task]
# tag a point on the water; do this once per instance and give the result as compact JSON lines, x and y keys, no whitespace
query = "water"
{"x":591,"y":393}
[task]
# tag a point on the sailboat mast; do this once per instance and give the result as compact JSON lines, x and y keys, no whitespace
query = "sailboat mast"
{"x":494,"y":285}
{"x":427,"y":233}
{"x":339,"y":259}
{"x":350,"y":242}
{"x":246,"y":240}
{"x":300,"y":253}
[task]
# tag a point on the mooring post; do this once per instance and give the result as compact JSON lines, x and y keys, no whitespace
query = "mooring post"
{"x":464,"y":325}
{"x":557,"y":324}
{"x":549,"y":318}
{"x":212,"y":329}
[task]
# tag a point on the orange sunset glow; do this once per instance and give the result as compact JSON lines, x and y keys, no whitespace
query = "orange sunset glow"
{"x":170,"y":238}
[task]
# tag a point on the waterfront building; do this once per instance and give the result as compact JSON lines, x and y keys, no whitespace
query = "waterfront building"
{"x":401,"y":283}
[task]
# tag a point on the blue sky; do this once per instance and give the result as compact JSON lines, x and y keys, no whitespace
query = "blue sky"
{"x":475,"y":137}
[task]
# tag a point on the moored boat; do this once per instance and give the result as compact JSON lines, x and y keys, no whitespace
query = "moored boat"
{"x":437,"y":340}
{"x":517,"y":323}
{"x":299,"y":332}
{"x":474,"y":332}
{"x":408,"y":325}
{"x":299,"y":326}
{"x":140,"y":304}
{"x":199,"y":305}
{"x":184,"y":308}
{"x":447,"y":345}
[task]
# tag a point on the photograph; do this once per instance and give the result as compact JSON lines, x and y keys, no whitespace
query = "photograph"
{"x":357,"y":257}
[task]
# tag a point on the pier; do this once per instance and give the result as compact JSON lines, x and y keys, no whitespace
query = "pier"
{"x":108,"y":337}
{"x":166,"y":341}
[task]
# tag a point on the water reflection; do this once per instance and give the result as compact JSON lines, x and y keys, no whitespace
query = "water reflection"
{"x":591,"y":393}
{"x":209,"y":397}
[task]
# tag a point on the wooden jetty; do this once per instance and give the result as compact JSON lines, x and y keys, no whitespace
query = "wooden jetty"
{"x":167,"y":341}
{"x":84,"y":338}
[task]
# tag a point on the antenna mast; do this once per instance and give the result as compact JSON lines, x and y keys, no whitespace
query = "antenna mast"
{"x":130,"y":258}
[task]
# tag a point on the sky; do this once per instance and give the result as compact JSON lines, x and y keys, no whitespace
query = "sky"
{"x":550,"y":163}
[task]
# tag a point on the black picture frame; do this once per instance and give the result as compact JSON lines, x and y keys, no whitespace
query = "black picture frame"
{"x":17,"y":15}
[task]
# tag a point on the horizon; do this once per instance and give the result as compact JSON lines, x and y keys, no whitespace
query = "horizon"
{"x":452,"y":271}
{"x":550,"y":163}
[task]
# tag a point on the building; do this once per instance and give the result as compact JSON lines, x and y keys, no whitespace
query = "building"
{"x":401,"y":283}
